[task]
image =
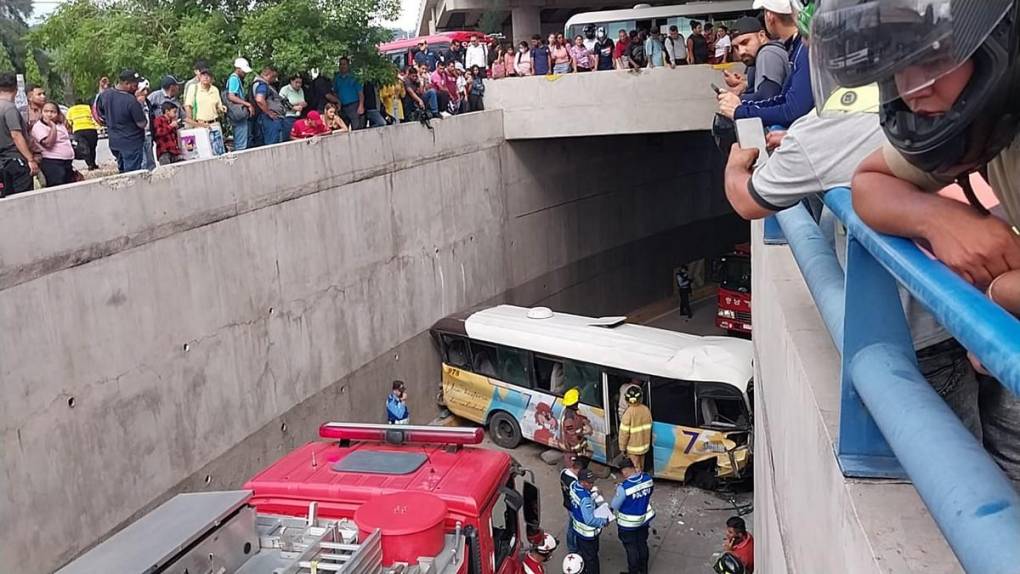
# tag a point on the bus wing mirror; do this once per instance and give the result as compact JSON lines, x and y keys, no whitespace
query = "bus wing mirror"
{"x":532,"y":505}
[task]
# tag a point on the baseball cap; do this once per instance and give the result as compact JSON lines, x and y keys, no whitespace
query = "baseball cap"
{"x":585,"y":475}
{"x":777,"y":6}
{"x":242,"y":65}
{"x":129,"y":75}
{"x":169,"y":80}
{"x":746,"y":25}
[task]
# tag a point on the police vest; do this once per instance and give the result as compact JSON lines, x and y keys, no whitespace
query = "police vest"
{"x":636,"y":510}
{"x":577,"y":495}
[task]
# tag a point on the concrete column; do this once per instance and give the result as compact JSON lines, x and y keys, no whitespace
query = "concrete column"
{"x":525,"y":22}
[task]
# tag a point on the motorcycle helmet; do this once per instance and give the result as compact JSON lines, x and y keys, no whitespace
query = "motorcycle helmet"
{"x":589,"y":31}
{"x":905,"y":46}
{"x":729,"y":564}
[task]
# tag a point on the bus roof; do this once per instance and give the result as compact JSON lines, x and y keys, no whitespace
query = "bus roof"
{"x":465,"y":478}
{"x":626,"y":346}
{"x":653,"y":12}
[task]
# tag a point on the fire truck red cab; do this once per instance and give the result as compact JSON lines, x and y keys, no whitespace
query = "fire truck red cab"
{"x":734,"y":299}
{"x":373,"y":499}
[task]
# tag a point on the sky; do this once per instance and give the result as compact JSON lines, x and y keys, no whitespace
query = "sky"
{"x":407,"y":20}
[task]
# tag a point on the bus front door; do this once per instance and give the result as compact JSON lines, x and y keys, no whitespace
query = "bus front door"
{"x":616,"y":385}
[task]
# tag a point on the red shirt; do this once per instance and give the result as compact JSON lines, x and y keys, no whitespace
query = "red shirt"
{"x":165,"y":134}
{"x":745,"y":553}
{"x":620,"y":49}
{"x":302,"y":130}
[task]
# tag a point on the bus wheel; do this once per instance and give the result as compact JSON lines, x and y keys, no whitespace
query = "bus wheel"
{"x":504,"y":430}
{"x":702,"y":475}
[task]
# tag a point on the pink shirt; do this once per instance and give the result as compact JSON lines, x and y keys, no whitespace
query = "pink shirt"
{"x":560,"y":55}
{"x":61,"y":149}
{"x":581,"y":55}
{"x":523,"y":64}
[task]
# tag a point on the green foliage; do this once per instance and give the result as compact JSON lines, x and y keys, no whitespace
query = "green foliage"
{"x":87,"y":39}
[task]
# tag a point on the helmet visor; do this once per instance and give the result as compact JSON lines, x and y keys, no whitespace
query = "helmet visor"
{"x":908,"y":44}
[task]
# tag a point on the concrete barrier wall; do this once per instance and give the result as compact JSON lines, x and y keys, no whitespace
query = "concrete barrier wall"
{"x":181,"y":329}
{"x":808,"y":517}
{"x":606,"y":103}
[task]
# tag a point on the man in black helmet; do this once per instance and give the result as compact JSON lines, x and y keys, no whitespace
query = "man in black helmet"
{"x":949,"y":79}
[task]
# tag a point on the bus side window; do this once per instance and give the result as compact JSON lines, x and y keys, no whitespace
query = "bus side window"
{"x":587,"y":378}
{"x":483,"y":359}
{"x":456,"y":350}
{"x":514,"y":368}
{"x":673,"y":402}
{"x":549,"y":375}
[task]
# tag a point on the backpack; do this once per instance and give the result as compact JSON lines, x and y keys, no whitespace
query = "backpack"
{"x":235,"y":112}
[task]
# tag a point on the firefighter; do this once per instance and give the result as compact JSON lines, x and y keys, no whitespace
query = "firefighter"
{"x":539,"y":553}
{"x":634,"y":514}
{"x":397,"y":412}
{"x":567,"y":477}
{"x":586,"y":525}
{"x":635,"y":428}
{"x":573,"y":564}
{"x":574,"y":428}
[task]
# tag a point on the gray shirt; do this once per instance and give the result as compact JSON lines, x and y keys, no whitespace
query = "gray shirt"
{"x":10,"y":120}
{"x":771,"y":63}
{"x":156,"y":100}
{"x":822,"y":153}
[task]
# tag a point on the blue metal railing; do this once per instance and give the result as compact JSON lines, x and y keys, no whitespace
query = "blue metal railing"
{"x":892,"y":422}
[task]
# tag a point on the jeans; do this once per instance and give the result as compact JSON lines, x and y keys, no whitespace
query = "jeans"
{"x":148,"y":159}
{"x":56,"y":171}
{"x":129,"y":160}
{"x":589,"y":551}
{"x":288,"y":124}
{"x":948,"y":371}
{"x":272,"y":130}
{"x":241,"y":130}
{"x":571,"y":536}
{"x":351,"y":116}
{"x":635,"y":543}
{"x":1000,"y":425}
{"x":432,"y":101}
{"x":375,"y":119}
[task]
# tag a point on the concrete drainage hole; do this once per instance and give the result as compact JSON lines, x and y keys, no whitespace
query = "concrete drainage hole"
{"x":283,"y":427}
{"x":208,"y":479}
{"x":187,"y":347}
{"x":70,"y":402}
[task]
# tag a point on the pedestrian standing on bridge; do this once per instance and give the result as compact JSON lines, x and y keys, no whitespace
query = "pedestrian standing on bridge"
{"x":587,"y":527}
{"x":683,"y":285}
{"x":397,"y":412}
{"x":634,"y":514}
{"x":635,"y":428}
{"x":567,"y":477}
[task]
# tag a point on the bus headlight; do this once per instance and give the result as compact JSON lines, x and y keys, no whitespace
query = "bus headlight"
{"x":727,"y":314}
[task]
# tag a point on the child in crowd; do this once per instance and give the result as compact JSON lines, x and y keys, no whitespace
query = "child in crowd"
{"x":168,"y":147}
{"x":333,"y":120}
{"x":57,"y":152}
{"x":476,"y":90}
{"x":309,"y":127}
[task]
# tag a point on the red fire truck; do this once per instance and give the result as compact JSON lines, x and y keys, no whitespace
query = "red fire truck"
{"x":734,"y":276}
{"x":373,"y":499}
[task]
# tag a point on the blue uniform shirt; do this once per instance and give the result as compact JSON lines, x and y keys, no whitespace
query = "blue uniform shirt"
{"x":633,"y":502}
{"x":396,"y":409}
{"x":582,"y":513}
{"x":795,"y":101}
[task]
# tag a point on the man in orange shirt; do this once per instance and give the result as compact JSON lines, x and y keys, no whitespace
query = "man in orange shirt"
{"x":740,"y":543}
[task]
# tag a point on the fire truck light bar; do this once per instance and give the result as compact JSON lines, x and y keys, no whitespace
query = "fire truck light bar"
{"x":401,"y":434}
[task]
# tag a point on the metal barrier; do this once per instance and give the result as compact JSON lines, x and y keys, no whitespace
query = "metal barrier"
{"x":892,"y":423}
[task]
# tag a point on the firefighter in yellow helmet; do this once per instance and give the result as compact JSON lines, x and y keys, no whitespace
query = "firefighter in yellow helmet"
{"x":635,"y":428}
{"x":574,"y":428}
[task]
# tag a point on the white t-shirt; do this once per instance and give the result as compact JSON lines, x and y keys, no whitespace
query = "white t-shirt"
{"x":722,"y":46}
{"x":475,"y":56}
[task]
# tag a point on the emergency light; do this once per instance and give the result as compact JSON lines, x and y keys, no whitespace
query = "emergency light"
{"x":400,"y":434}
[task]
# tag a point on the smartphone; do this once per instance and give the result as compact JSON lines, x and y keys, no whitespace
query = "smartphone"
{"x":751,"y":134}
{"x":716,"y":89}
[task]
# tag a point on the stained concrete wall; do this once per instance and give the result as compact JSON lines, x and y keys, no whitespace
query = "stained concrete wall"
{"x":808,"y":517}
{"x":659,"y":100}
{"x":181,"y":329}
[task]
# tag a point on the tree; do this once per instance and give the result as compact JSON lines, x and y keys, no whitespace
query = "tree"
{"x":87,"y":39}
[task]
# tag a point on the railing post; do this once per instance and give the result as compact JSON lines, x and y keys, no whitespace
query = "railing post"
{"x":872,"y":306}
{"x":773,"y":232}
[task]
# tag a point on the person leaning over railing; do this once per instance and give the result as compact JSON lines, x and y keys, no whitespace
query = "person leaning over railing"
{"x":949,"y":82}
{"x":820,"y":153}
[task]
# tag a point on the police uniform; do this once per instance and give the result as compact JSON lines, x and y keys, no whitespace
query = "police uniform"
{"x":634,"y":514}
{"x":567,"y":478}
{"x":586,"y":526}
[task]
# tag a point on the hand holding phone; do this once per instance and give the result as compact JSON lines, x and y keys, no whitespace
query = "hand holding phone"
{"x":716,"y":89}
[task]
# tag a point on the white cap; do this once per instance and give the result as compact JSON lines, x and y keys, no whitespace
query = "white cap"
{"x":777,"y":6}
{"x":242,"y":65}
{"x":573,"y":564}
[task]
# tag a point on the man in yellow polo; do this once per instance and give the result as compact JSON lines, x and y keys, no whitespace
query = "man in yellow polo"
{"x":636,"y":428}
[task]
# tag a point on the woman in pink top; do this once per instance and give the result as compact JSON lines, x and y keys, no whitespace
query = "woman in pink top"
{"x":580,"y":57}
{"x":509,"y":60}
{"x":523,"y":65}
{"x":560,"y":55}
{"x":498,"y":69}
{"x":57,"y":152}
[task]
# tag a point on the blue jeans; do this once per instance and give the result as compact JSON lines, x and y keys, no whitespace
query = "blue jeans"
{"x":148,"y":161}
{"x":288,"y":123}
{"x":350,"y":114}
{"x":272,"y":130}
{"x":375,"y":119}
{"x":130,"y":160}
{"x":241,"y":130}
{"x":432,"y":101}
{"x":571,"y":537}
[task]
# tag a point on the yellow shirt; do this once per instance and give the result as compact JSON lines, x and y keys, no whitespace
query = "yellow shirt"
{"x":205,"y":104}
{"x":80,"y":117}
{"x":391,"y":96}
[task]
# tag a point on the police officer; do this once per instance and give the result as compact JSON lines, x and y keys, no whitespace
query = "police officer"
{"x":567,"y":477}
{"x":634,"y":514}
{"x":585,"y":524}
